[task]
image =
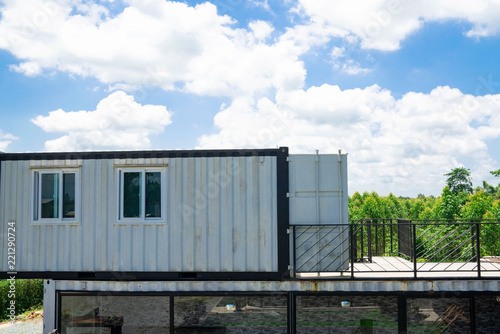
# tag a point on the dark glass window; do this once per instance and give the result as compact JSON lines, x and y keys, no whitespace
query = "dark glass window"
{"x":50,"y":196}
{"x":68,"y":195}
{"x":347,"y":314}
{"x":153,"y":194}
{"x":132,"y":187}
{"x":54,"y":195}
{"x":141,"y":194}
{"x":230,"y":314}
{"x":115,"y":314}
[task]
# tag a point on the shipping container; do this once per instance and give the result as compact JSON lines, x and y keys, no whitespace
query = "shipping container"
{"x":199,"y":214}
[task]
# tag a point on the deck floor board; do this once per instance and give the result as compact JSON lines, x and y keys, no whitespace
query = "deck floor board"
{"x":398,"y":267}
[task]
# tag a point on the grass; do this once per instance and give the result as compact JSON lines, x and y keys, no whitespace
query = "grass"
{"x":27,"y":294}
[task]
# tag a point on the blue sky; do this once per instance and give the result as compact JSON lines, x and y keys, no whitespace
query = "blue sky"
{"x":408,"y":89}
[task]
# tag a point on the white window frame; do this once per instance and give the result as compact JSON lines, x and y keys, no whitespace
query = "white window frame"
{"x":120,"y":192}
{"x":36,"y":194}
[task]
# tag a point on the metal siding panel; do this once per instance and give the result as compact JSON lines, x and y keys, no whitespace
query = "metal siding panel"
{"x":228,"y":199}
{"x":107,"y":259}
{"x":7,"y":209}
{"x":180,"y":210}
{"x":187,"y":232}
{"x":272,"y":215}
{"x":221,"y":216}
{"x":239,"y":221}
{"x":137,"y":247}
{"x":23,"y":205}
{"x":319,"y":199}
{"x":213,"y":212}
{"x":331,"y":184}
{"x":199,"y":260}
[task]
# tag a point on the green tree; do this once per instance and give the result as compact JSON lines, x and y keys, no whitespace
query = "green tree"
{"x":496,"y":173}
{"x":489,"y":189}
{"x":355,"y":205}
{"x":459,"y":180}
{"x":426,"y":214}
{"x":449,"y":205}
{"x":416,"y":208}
{"x":371,"y":207}
{"x":494,"y":211}
{"x":477,"y":206}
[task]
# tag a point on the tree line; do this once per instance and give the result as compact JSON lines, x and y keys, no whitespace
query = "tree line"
{"x":458,"y":200}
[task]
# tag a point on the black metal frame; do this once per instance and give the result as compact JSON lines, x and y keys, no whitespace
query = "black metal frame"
{"x":402,"y":299}
{"x":59,"y":294}
{"x":365,"y":236}
{"x":145,"y":154}
{"x":282,"y":207}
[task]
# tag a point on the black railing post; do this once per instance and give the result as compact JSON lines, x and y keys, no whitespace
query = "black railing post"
{"x":391,"y":226}
{"x":384,"y":249}
{"x":414,"y":250}
{"x":354,"y":241}
{"x":362,"y":243}
{"x":353,"y":245}
{"x":473,"y":230}
{"x":369,"y":240}
{"x":478,"y":249}
{"x":400,"y":235}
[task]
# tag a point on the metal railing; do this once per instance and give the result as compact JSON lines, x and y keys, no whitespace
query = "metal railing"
{"x":396,"y":248}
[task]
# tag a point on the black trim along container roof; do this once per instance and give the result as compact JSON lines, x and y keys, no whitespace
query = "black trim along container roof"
{"x":143,"y":154}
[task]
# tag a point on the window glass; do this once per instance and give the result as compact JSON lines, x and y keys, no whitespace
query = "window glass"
{"x":141,"y":194}
{"x":487,"y":311}
{"x":50,"y":196}
{"x":68,"y":195}
{"x":104,"y":314}
{"x":55,"y":195}
{"x":153,"y":194}
{"x":132,"y":186}
{"x":347,"y":314}
{"x":438,"y":315}
{"x":230,"y":314}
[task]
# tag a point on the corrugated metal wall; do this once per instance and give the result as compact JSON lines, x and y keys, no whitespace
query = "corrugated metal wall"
{"x":318,"y":196}
{"x":221,"y":215}
{"x":318,"y":189}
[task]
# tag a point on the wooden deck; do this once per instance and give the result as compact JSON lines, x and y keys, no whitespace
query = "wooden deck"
{"x":397,"y":267}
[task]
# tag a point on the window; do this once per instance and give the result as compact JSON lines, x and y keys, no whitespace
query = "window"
{"x":55,"y":195}
{"x":141,"y":194}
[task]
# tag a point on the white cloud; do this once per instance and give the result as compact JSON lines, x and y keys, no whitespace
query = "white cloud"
{"x":260,"y":3}
{"x":337,"y":52}
{"x":401,"y":145}
{"x":151,"y":43}
{"x":342,"y":62}
{"x":5,"y":140}
{"x":384,"y":24}
{"x":117,"y":123}
{"x":29,"y":68}
{"x":354,"y":68}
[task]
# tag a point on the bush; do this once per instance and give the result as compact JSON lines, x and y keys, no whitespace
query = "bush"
{"x":28,"y":294}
